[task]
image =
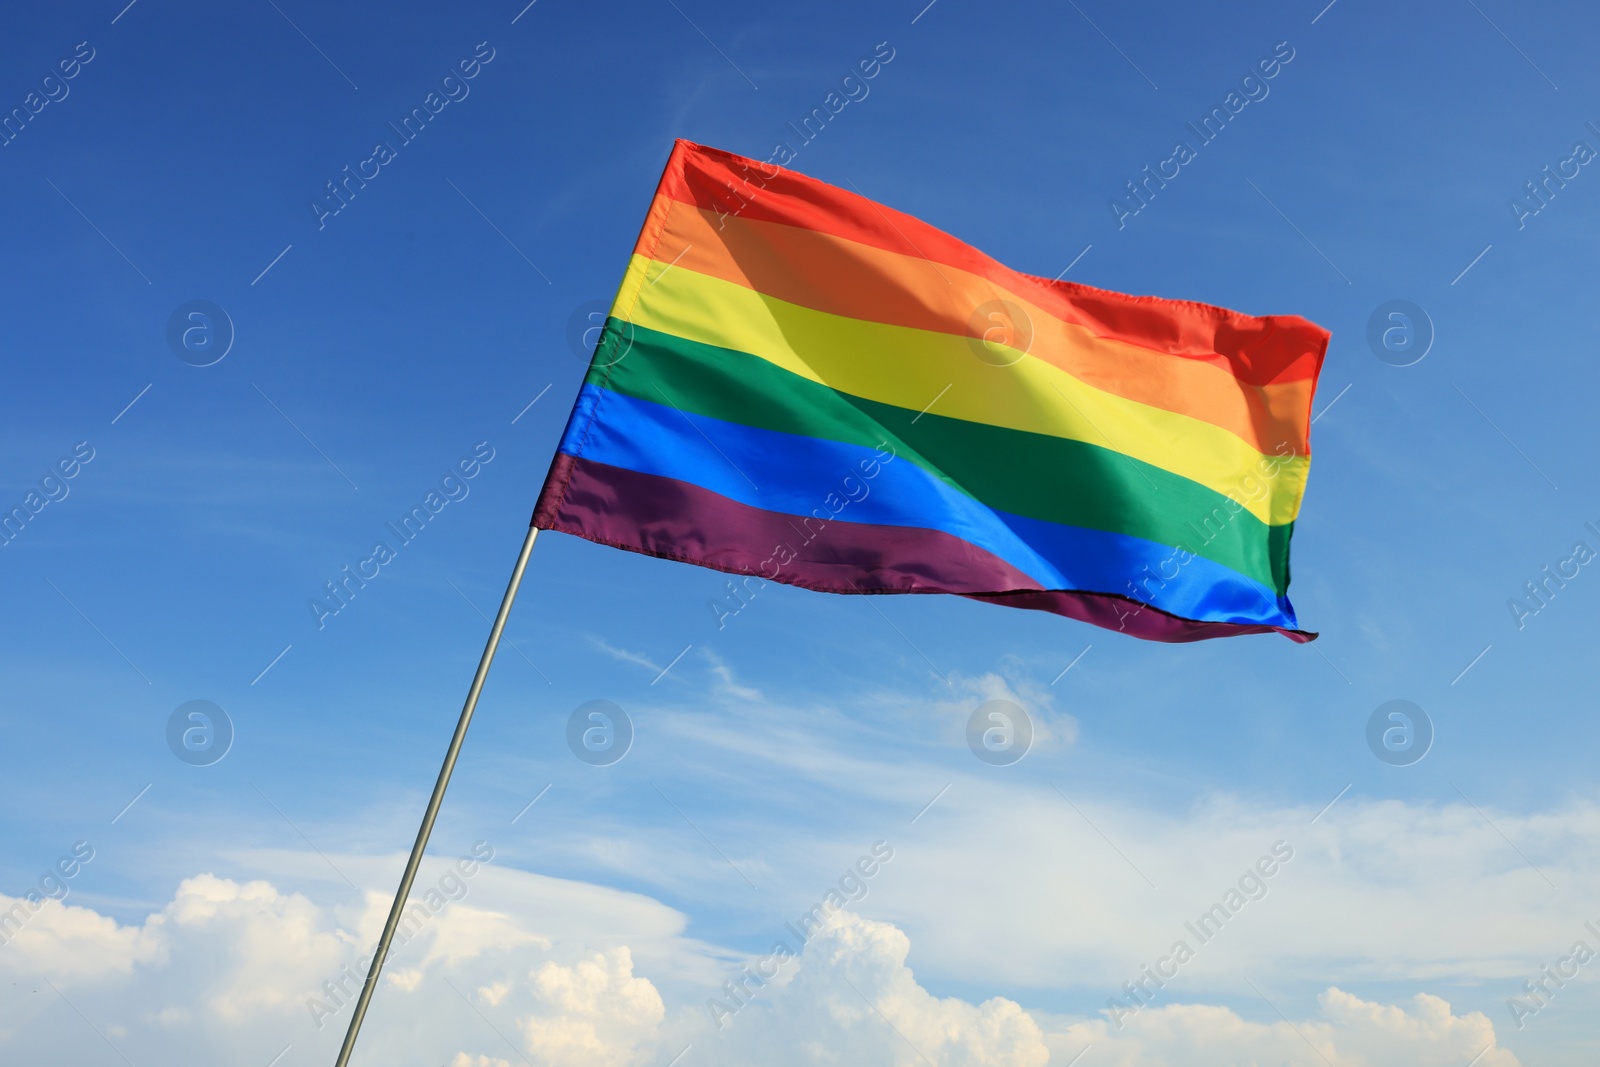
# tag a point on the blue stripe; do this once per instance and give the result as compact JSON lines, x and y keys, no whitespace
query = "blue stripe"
{"x":804,"y":476}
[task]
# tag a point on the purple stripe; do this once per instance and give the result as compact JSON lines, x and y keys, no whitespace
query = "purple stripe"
{"x":674,"y":519}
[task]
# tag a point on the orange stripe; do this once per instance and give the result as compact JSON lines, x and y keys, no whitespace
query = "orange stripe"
{"x":842,"y":277}
{"x":1255,"y":349}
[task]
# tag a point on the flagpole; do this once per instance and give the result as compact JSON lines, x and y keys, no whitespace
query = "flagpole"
{"x":434,"y":801}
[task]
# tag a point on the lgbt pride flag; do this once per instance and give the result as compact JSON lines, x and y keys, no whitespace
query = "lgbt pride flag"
{"x":797,"y":384}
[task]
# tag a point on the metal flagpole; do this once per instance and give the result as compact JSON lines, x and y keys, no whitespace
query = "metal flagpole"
{"x":433,"y":802}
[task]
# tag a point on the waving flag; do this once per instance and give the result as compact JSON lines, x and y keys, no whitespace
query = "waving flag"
{"x":800,"y":385}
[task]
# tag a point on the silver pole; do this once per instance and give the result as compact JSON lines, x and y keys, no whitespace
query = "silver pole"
{"x":433,"y":802}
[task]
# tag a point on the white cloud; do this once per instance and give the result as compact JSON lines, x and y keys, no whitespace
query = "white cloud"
{"x":406,"y":979}
{"x":494,"y":994}
{"x":623,"y":655}
{"x":595,"y":1013}
{"x":1372,"y":893}
{"x":261,"y":948}
{"x":853,"y":999}
{"x":1053,"y":731}
{"x":222,"y":972}
{"x":75,"y":944}
{"x":729,"y":686}
{"x":1346,"y":1032}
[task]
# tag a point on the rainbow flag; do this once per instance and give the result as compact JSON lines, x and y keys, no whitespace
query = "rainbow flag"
{"x":797,"y":384}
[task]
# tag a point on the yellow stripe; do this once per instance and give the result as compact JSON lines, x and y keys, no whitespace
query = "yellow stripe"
{"x":918,"y":369}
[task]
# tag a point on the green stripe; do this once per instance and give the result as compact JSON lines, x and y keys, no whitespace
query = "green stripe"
{"x":1035,"y":475}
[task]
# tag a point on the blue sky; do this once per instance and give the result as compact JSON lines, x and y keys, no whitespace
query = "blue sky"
{"x":375,"y":348}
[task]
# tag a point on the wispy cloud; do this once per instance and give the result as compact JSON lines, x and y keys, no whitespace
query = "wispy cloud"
{"x":623,"y":655}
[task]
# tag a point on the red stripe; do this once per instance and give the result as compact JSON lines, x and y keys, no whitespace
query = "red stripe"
{"x":674,"y":519}
{"x":1256,"y":350}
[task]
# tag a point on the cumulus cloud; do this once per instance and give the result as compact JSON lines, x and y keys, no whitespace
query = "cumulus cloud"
{"x":852,"y":997}
{"x":264,"y":945}
{"x":231,"y":966}
{"x":847,"y":996}
{"x":222,"y":972}
{"x":1347,"y":1032}
{"x":595,"y":1013}
{"x":75,"y":944}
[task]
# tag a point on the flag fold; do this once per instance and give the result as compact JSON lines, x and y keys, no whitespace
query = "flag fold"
{"x":800,"y":385}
